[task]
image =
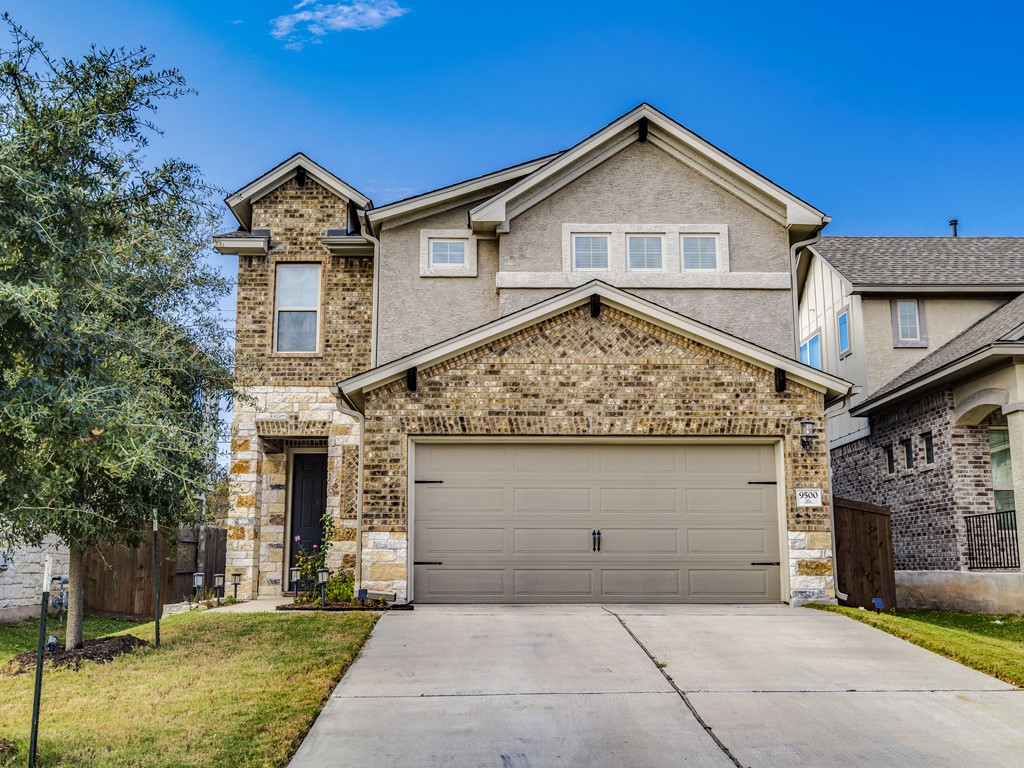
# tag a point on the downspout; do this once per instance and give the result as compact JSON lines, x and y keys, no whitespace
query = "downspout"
{"x":368,"y":234}
{"x":794,"y":250}
{"x":346,"y":407}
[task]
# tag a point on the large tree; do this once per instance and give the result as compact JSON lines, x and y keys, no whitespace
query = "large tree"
{"x":112,"y":359}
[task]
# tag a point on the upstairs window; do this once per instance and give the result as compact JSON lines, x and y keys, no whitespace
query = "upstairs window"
{"x":590,"y":252}
{"x":909,"y":329}
{"x":447,"y":253}
{"x":297,"y":314}
{"x":644,"y":252}
{"x":843,"y":332}
{"x":700,"y":252}
{"x":810,"y":351}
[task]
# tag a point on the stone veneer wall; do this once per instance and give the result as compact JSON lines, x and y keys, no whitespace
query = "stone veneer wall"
{"x":578,"y":375}
{"x":262,"y":431}
{"x":928,"y":503}
{"x":21,"y":582}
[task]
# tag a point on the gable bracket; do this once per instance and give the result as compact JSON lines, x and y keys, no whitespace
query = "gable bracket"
{"x":780,"y":379}
{"x":410,"y":379}
{"x":595,"y":305}
{"x":645,"y":126}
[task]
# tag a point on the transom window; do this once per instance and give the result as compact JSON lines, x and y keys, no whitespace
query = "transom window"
{"x":843,"y":332}
{"x":909,"y":327}
{"x":810,"y":351}
{"x":590,"y":252}
{"x":447,"y":253}
{"x":700,"y":252}
{"x":644,"y":252}
{"x":297,"y":321}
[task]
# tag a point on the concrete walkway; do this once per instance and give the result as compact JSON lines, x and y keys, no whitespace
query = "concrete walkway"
{"x":526,"y":687}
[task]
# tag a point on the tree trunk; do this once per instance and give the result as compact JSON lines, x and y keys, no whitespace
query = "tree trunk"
{"x":76,"y":599}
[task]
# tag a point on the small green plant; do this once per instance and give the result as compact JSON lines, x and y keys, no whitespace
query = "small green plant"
{"x":310,"y":562}
{"x":229,"y":600}
{"x":340,"y":588}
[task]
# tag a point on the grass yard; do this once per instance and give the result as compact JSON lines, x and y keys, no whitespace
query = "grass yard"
{"x":232,"y":690}
{"x":20,"y":636}
{"x":973,"y":639}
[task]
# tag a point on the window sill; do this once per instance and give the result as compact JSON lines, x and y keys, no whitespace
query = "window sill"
{"x":900,"y":344}
{"x":296,"y":354}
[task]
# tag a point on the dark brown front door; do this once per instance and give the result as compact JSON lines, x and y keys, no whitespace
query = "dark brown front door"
{"x":309,"y":500}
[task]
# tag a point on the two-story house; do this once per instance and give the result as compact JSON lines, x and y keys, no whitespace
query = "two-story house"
{"x":575,"y":379}
{"x":928,"y":329}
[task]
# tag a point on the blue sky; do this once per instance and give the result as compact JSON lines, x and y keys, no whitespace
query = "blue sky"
{"x":891,"y":117}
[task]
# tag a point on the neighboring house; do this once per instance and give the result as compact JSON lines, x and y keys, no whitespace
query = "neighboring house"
{"x":927,"y":329}
{"x":569,"y":380}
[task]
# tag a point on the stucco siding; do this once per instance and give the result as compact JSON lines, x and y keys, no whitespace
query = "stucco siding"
{"x":415,"y":312}
{"x":943,"y":318}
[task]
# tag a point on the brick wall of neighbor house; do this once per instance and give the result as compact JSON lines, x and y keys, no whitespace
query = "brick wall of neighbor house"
{"x":22,"y":580}
{"x":287,"y":402}
{"x":928,"y":503}
{"x":577,"y":375}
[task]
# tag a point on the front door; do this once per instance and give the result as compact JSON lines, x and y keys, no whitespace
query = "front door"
{"x":309,"y":500}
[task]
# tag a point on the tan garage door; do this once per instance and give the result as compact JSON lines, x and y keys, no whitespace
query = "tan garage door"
{"x":569,"y":522}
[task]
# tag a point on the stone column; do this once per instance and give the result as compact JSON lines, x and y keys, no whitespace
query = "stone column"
{"x":1015,"y":421}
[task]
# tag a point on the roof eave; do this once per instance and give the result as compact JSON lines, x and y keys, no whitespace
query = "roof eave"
{"x":902,"y":288}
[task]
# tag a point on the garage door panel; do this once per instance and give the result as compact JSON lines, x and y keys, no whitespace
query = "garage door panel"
{"x":462,"y":459}
{"x":725,"y":459}
{"x":548,"y":459}
{"x":719,"y":501}
{"x":534,"y":582}
{"x":729,"y":541}
{"x":728,"y":583}
{"x":434,"y":540}
{"x":637,"y":582}
{"x":552,"y":541}
{"x":460,"y":582}
{"x":639,"y":541}
{"x":567,"y":501}
{"x":639,"y":501}
{"x":441,"y":500}
{"x":638,"y":459}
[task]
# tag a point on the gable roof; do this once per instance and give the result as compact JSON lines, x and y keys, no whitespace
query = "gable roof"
{"x":643,"y":123}
{"x":240,"y":202}
{"x":461,"y":189}
{"x":997,"y":335}
{"x":354,"y":387}
{"x":926,"y":262}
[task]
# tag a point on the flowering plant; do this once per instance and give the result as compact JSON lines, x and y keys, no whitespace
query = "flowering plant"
{"x":310,"y":562}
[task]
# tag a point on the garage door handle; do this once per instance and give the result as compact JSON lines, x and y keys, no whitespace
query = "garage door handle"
{"x":593,"y":541}
{"x":766,"y":563}
{"x":598,"y":539}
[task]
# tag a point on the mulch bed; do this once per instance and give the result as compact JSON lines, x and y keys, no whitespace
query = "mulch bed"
{"x":368,"y":606}
{"x":102,"y":650}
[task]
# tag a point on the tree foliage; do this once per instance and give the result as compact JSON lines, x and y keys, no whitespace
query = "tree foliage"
{"x":112,"y":360}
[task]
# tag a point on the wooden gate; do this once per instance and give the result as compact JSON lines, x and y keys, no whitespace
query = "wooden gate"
{"x":863,"y":558}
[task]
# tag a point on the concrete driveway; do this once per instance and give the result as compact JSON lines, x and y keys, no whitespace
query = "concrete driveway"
{"x":653,"y":686}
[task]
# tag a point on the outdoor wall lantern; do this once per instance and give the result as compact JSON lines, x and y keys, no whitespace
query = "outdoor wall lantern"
{"x":236,"y":579}
{"x":321,"y":579}
{"x":218,"y":585}
{"x":197,"y":582}
{"x":807,"y":434}
{"x":293,"y":577}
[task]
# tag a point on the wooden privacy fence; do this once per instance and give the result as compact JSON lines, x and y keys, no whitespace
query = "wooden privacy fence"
{"x":863,"y":559}
{"x":119,"y":580}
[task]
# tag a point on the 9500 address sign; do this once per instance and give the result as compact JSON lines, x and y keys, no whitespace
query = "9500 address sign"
{"x":808,"y":497}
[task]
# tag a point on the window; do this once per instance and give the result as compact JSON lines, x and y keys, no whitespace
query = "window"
{"x":298,"y":308}
{"x":700,"y":252}
{"x":1002,"y":474}
{"x":929,"y":448}
{"x":590,"y":252}
{"x":908,"y":325}
{"x":843,"y":332}
{"x":908,"y":453}
{"x":810,"y":352}
{"x":644,"y":252}
{"x":447,"y":253}
{"x":890,"y":460}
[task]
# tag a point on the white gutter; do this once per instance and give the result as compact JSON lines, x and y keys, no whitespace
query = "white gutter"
{"x":368,"y":234}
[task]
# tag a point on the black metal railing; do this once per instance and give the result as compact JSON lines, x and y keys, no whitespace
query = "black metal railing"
{"x":992,"y":541}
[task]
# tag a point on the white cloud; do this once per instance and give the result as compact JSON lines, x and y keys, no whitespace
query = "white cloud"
{"x":313,"y":19}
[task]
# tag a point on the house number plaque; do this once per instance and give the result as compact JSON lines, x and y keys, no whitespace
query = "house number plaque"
{"x":808,"y":497}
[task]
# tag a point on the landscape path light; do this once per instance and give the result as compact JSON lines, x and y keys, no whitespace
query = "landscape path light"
{"x":293,"y":577}
{"x":321,"y":579}
{"x":236,"y":579}
{"x":218,"y":586}
{"x":197,"y":582}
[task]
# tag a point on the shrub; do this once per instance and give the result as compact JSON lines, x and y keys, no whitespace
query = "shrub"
{"x":340,"y":588}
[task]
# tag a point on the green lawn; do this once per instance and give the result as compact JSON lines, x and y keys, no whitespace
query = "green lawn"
{"x":20,"y":636}
{"x":973,"y":639}
{"x":231,"y":690}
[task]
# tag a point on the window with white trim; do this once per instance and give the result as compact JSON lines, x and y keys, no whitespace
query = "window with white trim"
{"x":909,"y":325}
{"x":590,"y":252}
{"x":297,"y":308}
{"x":810,"y":351}
{"x":843,"y":332}
{"x":447,"y":253}
{"x":700,"y":252}
{"x":644,"y":252}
